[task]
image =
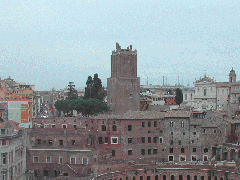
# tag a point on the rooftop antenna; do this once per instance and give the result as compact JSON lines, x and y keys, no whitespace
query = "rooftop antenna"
{"x":163,"y":80}
{"x":147,"y":81}
{"x":166,"y":81}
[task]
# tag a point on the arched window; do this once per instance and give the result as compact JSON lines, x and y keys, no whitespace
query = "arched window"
{"x":164,"y":177}
{"x":172,"y":177}
{"x":45,"y":172}
{"x":180,"y":177}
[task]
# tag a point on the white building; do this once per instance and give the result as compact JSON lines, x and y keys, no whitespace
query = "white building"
{"x":207,"y":94}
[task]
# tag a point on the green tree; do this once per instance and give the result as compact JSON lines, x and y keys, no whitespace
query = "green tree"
{"x":94,"y":88}
{"x":179,"y":96}
{"x":88,"y":89}
{"x":88,"y":107}
{"x":72,"y":92}
{"x":59,"y":106}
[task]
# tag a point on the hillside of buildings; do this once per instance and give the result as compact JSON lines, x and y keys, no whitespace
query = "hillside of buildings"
{"x":144,"y":136}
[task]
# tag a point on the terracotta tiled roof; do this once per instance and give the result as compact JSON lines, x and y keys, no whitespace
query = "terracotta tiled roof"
{"x":8,"y":124}
{"x":196,"y":121}
{"x":173,"y":114}
{"x":134,"y":115}
{"x":224,"y":84}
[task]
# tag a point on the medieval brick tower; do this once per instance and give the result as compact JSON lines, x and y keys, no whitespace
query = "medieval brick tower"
{"x":123,"y":88}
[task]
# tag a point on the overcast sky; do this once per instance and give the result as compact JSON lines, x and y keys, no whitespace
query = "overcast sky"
{"x":49,"y":43}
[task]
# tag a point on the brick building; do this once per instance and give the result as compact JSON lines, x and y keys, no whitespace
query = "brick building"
{"x":90,"y":147}
{"x":123,"y":87}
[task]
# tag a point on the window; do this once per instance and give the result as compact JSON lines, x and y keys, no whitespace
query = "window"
{"x":106,"y":140}
{"x":182,"y":158}
{"x":154,"y":151}
{"x":205,"y":150}
{"x":103,"y":128}
{"x":183,"y":133}
{"x":205,"y":158}
{"x":48,"y":159}
{"x":194,"y":158}
{"x":182,"y":124}
{"x":35,"y":159}
{"x":114,"y":128}
{"x":170,"y":150}
{"x":50,"y":142}
{"x":194,"y":126}
{"x":64,"y":126}
{"x":85,"y":161}
{"x":155,"y":123}
{"x":149,"y":151}
{"x":72,"y":160}
{"x":113,"y":153}
{"x":73,"y":142}
{"x":215,"y":131}
{"x":143,"y":124}
{"x":171,"y":142}
{"x":114,"y":140}
{"x":75,"y":126}
{"x":129,"y":127}
{"x":143,"y":151}
{"x":155,"y":139}
{"x":100,"y":140}
{"x":182,"y":150}
{"x":194,"y":150}
{"x":194,"y":133}
{"x":53,"y":125}
{"x":4,"y":142}
{"x":171,"y":124}
{"x":141,"y":177}
{"x":130,"y":152}
{"x":160,"y":140}
{"x":179,"y":142}
{"x":4,"y":176}
{"x":60,"y":142}
{"x":149,"y":139}
{"x":170,"y":158}
{"x":143,"y":139}
{"x":129,"y":140}
{"x":2,"y":131}
{"x":149,"y":124}
{"x":148,"y":178}
{"x":39,"y":141}
{"x":171,"y":133}
{"x":60,"y":160}
{"x":29,"y":112}
{"x":193,"y":141}
{"x":205,"y":92}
